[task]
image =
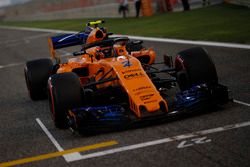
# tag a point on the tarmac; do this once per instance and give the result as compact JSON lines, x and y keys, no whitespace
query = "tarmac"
{"x":28,"y":137}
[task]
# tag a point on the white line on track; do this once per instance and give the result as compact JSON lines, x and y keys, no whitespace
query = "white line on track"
{"x":37,"y":36}
{"x":165,"y":140}
{"x":11,"y":65}
{"x":64,"y":54}
{"x":68,"y":157}
{"x":37,"y":29}
{"x":204,"y":43}
{"x":13,"y":42}
{"x":242,"y":103}
{"x":179,"y":41}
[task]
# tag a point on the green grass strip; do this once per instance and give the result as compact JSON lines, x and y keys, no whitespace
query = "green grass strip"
{"x":223,"y":23}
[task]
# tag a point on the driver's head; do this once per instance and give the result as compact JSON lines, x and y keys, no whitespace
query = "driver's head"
{"x":107,"y":51}
{"x":104,"y":52}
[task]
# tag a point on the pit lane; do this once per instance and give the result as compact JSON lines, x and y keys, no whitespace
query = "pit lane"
{"x":22,"y":137}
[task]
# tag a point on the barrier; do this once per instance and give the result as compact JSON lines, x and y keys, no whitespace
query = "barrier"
{"x":239,"y":2}
{"x":147,"y":9}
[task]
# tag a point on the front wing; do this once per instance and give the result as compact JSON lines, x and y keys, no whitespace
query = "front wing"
{"x":118,"y":117}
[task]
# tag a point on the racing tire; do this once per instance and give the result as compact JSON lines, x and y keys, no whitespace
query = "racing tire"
{"x":36,"y":74}
{"x":65,"y":93}
{"x":194,"y":66}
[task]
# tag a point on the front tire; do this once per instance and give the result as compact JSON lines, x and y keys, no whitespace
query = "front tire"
{"x":194,"y":66}
{"x":65,"y":93}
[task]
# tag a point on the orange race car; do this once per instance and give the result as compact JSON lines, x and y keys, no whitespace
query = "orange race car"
{"x":113,"y":82}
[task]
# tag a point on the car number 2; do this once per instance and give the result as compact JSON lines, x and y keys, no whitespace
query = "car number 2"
{"x":188,"y":143}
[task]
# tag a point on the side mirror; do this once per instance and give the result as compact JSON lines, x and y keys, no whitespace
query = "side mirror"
{"x":79,"y":53}
{"x":137,"y":42}
{"x":109,"y":33}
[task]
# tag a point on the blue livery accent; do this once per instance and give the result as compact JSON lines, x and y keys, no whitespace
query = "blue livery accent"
{"x":67,"y":40}
{"x":126,"y":63}
{"x":191,"y":97}
{"x":102,"y":113}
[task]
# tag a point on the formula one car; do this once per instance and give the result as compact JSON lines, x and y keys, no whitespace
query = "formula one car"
{"x":109,"y":85}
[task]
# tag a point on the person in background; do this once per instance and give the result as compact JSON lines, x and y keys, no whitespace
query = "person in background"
{"x":169,"y":5}
{"x":185,"y":4}
{"x":137,"y":7}
{"x":123,"y":8}
{"x":160,"y":6}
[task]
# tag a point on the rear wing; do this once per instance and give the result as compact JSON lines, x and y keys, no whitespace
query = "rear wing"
{"x":66,"y":40}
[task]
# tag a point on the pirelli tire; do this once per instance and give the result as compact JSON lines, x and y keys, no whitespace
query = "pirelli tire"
{"x":65,"y":93}
{"x":194,"y":66}
{"x":36,"y":74}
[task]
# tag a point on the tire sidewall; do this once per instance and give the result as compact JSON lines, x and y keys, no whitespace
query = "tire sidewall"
{"x":195,"y":66}
{"x":36,"y":74}
{"x":64,"y":94}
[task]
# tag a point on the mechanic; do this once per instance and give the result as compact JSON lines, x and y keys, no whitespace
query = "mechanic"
{"x":137,"y":7}
{"x":185,"y":4}
{"x":123,"y":8}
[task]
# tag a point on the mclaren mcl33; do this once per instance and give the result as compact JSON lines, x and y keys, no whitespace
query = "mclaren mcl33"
{"x":113,"y":82}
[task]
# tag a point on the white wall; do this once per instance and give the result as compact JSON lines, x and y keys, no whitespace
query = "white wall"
{"x":240,"y":2}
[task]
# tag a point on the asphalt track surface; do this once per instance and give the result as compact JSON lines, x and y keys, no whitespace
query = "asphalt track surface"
{"x":220,"y":137}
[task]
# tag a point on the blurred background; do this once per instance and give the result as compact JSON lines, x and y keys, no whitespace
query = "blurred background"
{"x":17,"y":10}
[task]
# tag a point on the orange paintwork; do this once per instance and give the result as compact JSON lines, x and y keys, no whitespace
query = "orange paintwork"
{"x":143,"y":52}
{"x":137,"y":84}
{"x":93,"y":37}
{"x":51,"y":49}
{"x":127,"y":68}
{"x":120,"y":50}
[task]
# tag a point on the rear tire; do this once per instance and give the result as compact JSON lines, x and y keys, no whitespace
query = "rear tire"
{"x":194,"y":66}
{"x":36,"y":74}
{"x":65,"y":93}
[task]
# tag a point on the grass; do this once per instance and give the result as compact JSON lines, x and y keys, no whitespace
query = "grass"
{"x":224,"y":23}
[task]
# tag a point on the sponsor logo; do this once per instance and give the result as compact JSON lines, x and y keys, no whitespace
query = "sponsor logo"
{"x":133,"y":75}
{"x":141,"y":88}
{"x":142,"y":92}
{"x":146,"y":97}
{"x":130,"y":71}
{"x":127,"y":63}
